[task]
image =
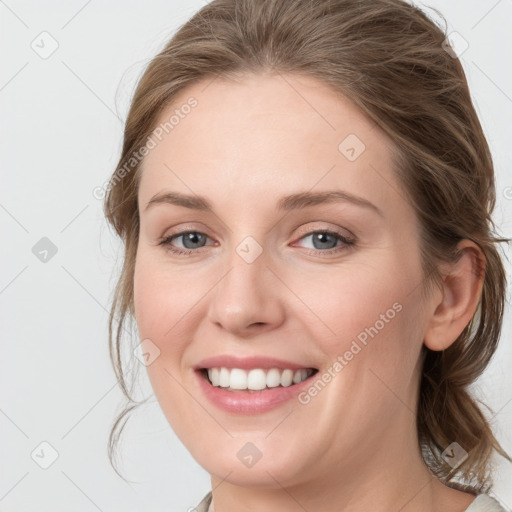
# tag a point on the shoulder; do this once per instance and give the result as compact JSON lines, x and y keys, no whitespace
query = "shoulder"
{"x":485,"y":503}
{"x":204,"y":504}
{"x":482,"y":503}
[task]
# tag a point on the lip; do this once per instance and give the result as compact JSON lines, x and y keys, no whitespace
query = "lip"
{"x":249,"y":402}
{"x":248,"y":363}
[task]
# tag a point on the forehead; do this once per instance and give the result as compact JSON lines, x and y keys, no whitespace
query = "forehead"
{"x":266,"y":135}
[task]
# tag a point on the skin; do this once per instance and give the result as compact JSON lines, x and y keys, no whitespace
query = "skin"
{"x":353,"y":447}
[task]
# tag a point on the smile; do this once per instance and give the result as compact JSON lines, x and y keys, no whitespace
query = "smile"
{"x":256,"y":379}
{"x":246,"y":391}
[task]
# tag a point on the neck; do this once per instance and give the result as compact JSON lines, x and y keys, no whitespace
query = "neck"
{"x":385,"y":477}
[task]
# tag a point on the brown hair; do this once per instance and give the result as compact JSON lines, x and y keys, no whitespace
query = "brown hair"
{"x":389,"y":58}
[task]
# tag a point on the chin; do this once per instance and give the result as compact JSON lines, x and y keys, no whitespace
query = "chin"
{"x":270,"y":472}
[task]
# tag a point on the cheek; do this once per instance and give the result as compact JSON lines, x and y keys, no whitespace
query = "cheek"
{"x":147,"y":298}
{"x":366,"y":314}
{"x":161,"y":297}
{"x":157,"y":311}
{"x":344,"y":303}
{"x":161,"y":316}
{"x":169,"y":305}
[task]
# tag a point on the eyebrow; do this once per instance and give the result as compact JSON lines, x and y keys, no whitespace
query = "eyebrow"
{"x":287,"y":203}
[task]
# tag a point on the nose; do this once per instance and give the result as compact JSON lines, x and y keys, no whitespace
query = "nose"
{"x":248,"y":298}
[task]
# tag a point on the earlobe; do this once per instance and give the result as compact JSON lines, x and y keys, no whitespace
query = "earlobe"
{"x":460,"y":294}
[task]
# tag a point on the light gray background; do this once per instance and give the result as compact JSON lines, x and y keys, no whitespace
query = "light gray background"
{"x":61,"y":133}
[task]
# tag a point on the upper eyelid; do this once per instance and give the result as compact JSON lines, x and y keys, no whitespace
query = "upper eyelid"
{"x":337,"y":231}
{"x":349,"y":234}
{"x":304,"y":232}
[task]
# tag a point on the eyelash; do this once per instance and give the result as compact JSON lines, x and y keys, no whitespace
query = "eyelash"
{"x":166,"y":242}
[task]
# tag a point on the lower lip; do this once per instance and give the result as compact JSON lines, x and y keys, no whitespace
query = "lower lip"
{"x":250,"y":402}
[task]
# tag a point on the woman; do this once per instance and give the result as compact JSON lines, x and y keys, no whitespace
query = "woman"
{"x":305,"y":197}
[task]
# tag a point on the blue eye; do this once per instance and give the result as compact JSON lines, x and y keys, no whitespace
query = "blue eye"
{"x":321,"y":238}
{"x":189,"y":238}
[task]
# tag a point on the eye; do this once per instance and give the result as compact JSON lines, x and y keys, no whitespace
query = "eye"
{"x":326,"y":241}
{"x":190,"y":240}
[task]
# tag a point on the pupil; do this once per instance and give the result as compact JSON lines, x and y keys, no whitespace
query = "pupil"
{"x":321,"y":238}
{"x":191,"y":237}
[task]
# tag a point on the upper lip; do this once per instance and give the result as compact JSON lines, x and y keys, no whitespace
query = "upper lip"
{"x":247,"y":363}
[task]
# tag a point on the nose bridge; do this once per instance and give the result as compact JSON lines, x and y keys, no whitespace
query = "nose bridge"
{"x":247,"y":293}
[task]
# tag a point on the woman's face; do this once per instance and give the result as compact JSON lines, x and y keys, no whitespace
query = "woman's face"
{"x":262,"y":280}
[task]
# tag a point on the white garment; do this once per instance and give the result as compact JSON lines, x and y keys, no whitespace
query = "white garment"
{"x":482,"y":503}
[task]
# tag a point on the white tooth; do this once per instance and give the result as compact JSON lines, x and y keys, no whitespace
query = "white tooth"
{"x":213,"y":373}
{"x":238,"y":379}
{"x":297,"y":376}
{"x":257,"y":379}
{"x":287,"y":378}
{"x":273,"y":378}
{"x":224,"y":378}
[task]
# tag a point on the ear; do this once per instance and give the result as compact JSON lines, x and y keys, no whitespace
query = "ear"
{"x":458,"y":300}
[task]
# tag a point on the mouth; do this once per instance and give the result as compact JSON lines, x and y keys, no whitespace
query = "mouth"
{"x":256,"y":379}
